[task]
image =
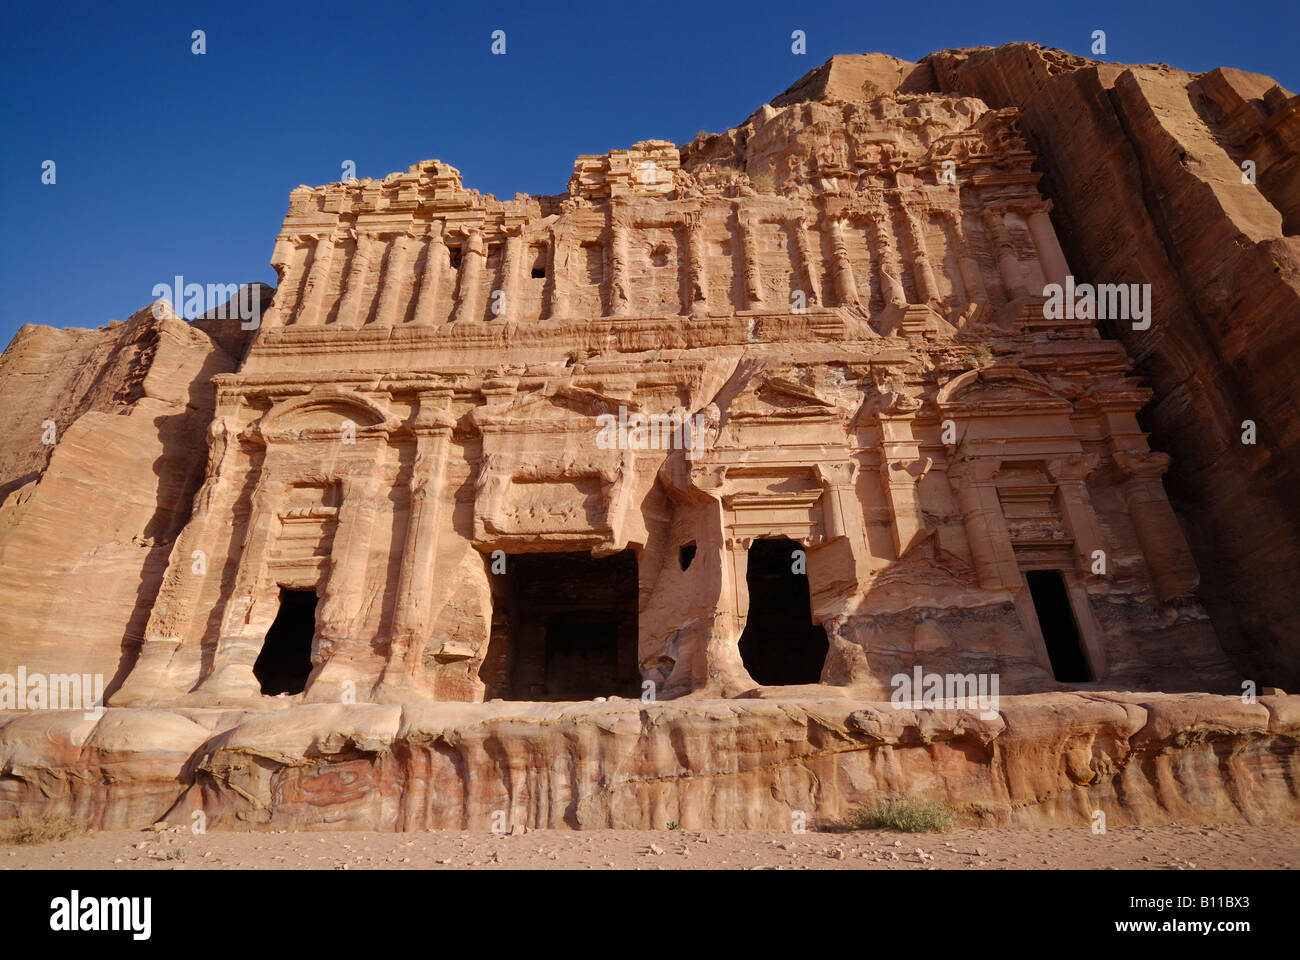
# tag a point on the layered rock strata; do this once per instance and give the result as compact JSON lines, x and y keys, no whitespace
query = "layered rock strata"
{"x":1044,"y":760}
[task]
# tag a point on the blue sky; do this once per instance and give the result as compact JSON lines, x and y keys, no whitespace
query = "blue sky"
{"x":171,"y":163}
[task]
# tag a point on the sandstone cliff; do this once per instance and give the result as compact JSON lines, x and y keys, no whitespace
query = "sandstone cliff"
{"x":103,"y":451}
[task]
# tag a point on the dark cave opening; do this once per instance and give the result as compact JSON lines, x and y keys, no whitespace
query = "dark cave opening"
{"x":285,"y":661}
{"x":780,"y":644}
{"x":1060,"y":630}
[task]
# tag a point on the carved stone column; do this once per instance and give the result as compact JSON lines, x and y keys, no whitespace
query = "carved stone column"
{"x":283,"y":303}
{"x":1050,"y":254}
{"x":752,"y":262}
{"x":473,"y":263}
{"x":352,"y":313}
{"x":970,"y":269}
{"x":562,"y":279}
{"x":841,"y":508}
{"x":250,"y":606}
{"x":927,"y":286}
{"x":901,"y":468}
{"x":697,"y":280}
{"x":1173,"y":572}
{"x":891,"y":283}
{"x":721,"y":668}
{"x":413,"y":612}
{"x":1008,"y":261}
{"x":986,"y":526}
{"x":846,"y":287}
{"x":392,"y":286}
{"x":803,"y":243}
{"x":1071,"y":474}
{"x":436,"y":266}
{"x":313,"y":311}
{"x":620,"y":301}
{"x":510,"y":264}
{"x":343,"y":597}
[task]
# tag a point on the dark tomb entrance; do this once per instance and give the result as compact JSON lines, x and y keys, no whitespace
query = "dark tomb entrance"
{"x":285,"y":660}
{"x":781,"y":644}
{"x":1060,"y":630}
{"x":564,"y":627}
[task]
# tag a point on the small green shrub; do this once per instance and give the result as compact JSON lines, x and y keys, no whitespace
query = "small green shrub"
{"x":904,"y":814}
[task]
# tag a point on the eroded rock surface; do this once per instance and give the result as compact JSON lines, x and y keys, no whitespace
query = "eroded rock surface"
{"x":101,"y":456}
{"x":1049,"y":759}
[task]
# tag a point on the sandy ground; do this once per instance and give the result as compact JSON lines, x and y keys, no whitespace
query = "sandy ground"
{"x":1168,"y":848}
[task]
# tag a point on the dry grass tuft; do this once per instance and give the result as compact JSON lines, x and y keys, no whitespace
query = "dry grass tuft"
{"x":45,"y":828}
{"x":904,"y":814}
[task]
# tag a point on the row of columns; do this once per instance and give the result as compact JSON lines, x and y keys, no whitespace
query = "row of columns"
{"x":890,"y":259}
{"x":304,"y":300}
{"x":394,"y":259}
{"x":695,"y":262}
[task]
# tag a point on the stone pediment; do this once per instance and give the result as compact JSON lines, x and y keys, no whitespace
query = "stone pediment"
{"x":552,"y":404}
{"x":323,"y":413}
{"x":771,"y":396}
{"x":997,"y":390}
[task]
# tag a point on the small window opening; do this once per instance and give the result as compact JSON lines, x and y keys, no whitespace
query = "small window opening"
{"x":685,"y":554}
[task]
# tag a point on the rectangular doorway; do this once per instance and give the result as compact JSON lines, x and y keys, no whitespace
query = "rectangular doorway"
{"x":781,"y":644}
{"x":564,"y":627}
{"x":1060,"y":629}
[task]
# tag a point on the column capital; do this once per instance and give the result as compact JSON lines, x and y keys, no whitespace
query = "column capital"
{"x":835,"y":474}
{"x":1030,"y":206}
{"x":434,"y":411}
{"x":1148,"y":465}
{"x":975,"y":470}
{"x":469,"y":237}
{"x":1074,"y":466}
